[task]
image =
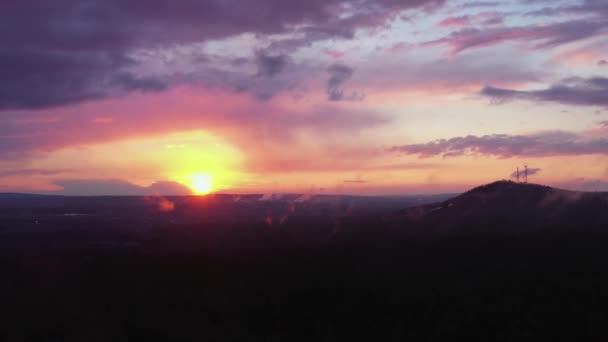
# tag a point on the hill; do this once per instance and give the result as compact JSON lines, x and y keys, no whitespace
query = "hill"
{"x":506,"y":204}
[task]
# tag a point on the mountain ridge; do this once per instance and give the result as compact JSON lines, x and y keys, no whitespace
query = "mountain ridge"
{"x":510,"y":204}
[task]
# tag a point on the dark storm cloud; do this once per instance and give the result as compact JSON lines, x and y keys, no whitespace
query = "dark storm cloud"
{"x":67,"y":51}
{"x":270,"y":65}
{"x":338,"y":75}
{"x":571,"y":91}
{"x":37,"y":79}
{"x":542,"y":144}
{"x":275,"y":73}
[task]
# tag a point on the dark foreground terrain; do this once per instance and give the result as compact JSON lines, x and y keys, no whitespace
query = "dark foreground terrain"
{"x":504,"y":262}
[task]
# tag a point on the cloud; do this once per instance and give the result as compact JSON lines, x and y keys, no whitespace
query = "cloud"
{"x":586,"y":7}
{"x":355,"y":181}
{"x":115,"y":187}
{"x":271,"y":77}
{"x":350,"y":16}
{"x":270,"y":65}
{"x":239,"y":119}
{"x":70,"y":51}
{"x":543,"y":144}
{"x":541,"y":36}
{"x":522,"y":171}
{"x":40,"y":79}
{"x":336,"y":159}
{"x":603,"y":62}
{"x":338,"y":75}
{"x":447,"y":75}
{"x":33,"y":172}
{"x":570,"y":91}
{"x":456,"y":21}
{"x":484,"y":18}
{"x":272,"y":137}
{"x":168,"y":188}
{"x":474,"y":4}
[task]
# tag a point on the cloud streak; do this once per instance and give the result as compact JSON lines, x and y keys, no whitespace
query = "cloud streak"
{"x":572,"y":91}
{"x":116,"y":187}
{"x":543,"y":144}
{"x":540,"y":36}
{"x":33,"y":172}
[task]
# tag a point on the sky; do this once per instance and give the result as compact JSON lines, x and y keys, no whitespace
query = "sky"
{"x":369,"y":97}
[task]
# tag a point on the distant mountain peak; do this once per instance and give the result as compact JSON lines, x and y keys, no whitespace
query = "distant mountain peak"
{"x":507,"y":185}
{"x":506,"y":203}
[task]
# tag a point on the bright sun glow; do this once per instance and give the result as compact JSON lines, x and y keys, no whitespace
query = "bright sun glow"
{"x":201,"y":183}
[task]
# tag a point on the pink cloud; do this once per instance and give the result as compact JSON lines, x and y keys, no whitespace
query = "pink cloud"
{"x":541,"y":36}
{"x":582,"y":56}
{"x":336,"y":54}
{"x":541,"y":144}
{"x":456,"y":21}
{"x":265,"y":132}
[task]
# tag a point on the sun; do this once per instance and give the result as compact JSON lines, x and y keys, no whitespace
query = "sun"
{"x":201,"y":183}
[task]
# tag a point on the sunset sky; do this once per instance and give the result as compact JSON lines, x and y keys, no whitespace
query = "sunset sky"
{"x":136,"y":97}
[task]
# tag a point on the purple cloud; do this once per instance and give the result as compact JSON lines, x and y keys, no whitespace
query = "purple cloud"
{"x":545,"y":36}
{"x":456,"y":21}
{"x":570,"y":91}
{"x":544,"y":144}
{"x":484,"y":18}
{"x":262,"y":122}
{"x":69,"y":51}
{"x":338,"y":74}
{"x":475,"y":4}
{"x":270,"y":65}
{"x":40,"y":78}
{"x":33,"y":172}
{"x":587,"y":7}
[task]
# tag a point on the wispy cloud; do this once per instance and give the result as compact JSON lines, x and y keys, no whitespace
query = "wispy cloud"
{"x":571,"y":91}
{"x":539,"y":36}
{"x":543,"y":144}
{"x":117,"y":187}
{"x":33,"y":172}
